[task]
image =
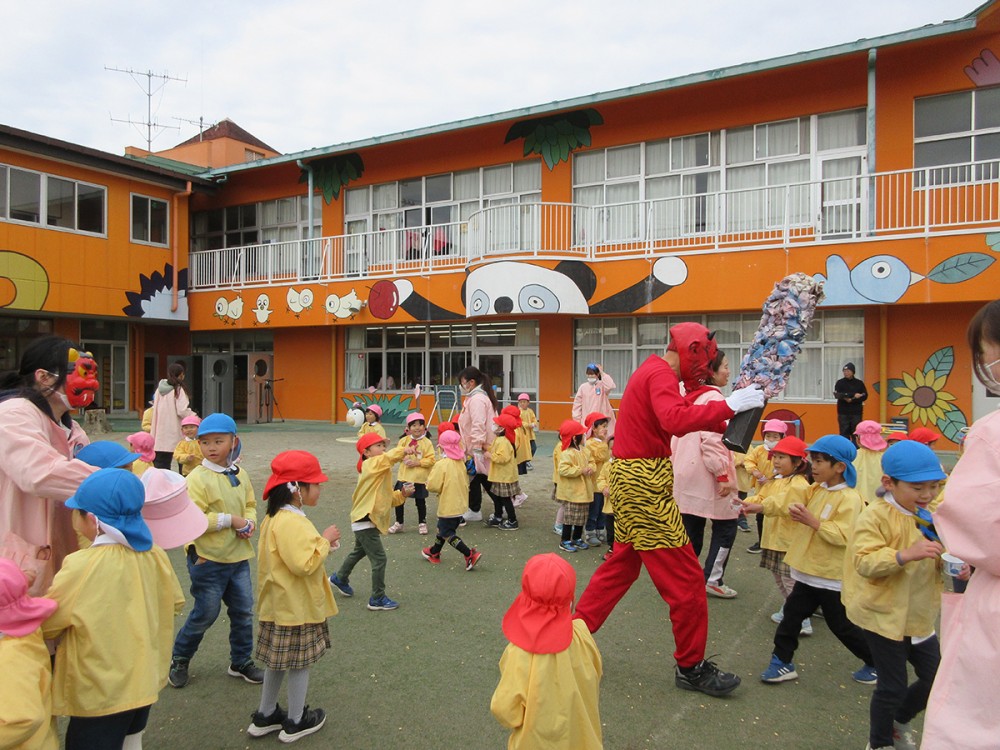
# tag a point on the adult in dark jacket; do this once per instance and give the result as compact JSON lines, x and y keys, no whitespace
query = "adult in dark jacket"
{"x":850,"y":393}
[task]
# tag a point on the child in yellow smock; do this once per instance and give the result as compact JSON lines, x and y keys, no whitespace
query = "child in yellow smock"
{"x":892,"y":590}
{"x":868,"y":464}
{"x":504,"y":485}
{"x":373,"y":421}
{"x":141,"y":443}
{"x":530,"y":422}
{"x":574,"y":485}
{"x":757,"y":463}
{"x":188,"y":454}
{"x":550,"y":672}
{"x":26,"y":719}
{"x":414,"y":468}
{"x":449,"y":480}
{"x":294,"y":598}
{"x":117,"y":602}
{"x":597,"y":448}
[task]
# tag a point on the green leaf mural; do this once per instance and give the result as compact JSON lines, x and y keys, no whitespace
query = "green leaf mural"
{"x":334,"y":172}
{"x":891,"y":392}
{"x":394,"y":408}
{"x":993,"y":240}
{"x":941,"y":361}
{"x":951,"y":424}
{"x":959,"y":268}
{"x":555,"y":137}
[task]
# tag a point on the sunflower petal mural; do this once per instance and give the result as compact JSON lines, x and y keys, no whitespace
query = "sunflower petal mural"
{"x":921,"y":395}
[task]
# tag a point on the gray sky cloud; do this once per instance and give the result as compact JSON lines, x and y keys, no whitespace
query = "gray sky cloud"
{"x":300,"y":74}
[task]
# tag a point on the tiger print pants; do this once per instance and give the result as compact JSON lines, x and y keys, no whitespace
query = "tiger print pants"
{"x":651,"y":535}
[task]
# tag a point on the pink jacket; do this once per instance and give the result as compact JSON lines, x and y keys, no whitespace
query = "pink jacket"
{"x":962,"y":707}
{"x":168,"y":411}
{"x":38,"y":473}
{"x":475,"y":422}
{"x":597,"y":397}
{"x":699,"y":458}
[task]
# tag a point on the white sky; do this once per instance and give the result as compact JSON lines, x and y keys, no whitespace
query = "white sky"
{"x":300,"y":74}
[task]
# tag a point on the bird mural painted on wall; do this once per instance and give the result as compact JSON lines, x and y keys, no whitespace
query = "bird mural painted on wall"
{"x":882,"y":279}
{"x":262,"y":311}
{"x":298,"y":301}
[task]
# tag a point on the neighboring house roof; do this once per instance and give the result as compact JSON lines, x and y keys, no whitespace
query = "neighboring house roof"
{"x":861,"y":45}
{"x":228,"y":129}
{"x":33,"y":143}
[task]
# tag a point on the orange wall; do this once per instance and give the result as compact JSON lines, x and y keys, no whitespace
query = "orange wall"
{"x":303,"y":357}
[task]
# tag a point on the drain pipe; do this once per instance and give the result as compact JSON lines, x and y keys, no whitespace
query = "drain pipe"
{"x":309,"y":175}
{"x":870,"y":138}
{"x":176,"y":244}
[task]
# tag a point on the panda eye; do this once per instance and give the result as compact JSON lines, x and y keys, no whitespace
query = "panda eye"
{"x":881,"y":270}
{"x":480,"y":301}
{"x":537,"y":298}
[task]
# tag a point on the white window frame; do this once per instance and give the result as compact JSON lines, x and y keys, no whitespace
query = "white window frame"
{"x":959,"y":173}
{"x":43,"y":201}
{"x":149,"y":223}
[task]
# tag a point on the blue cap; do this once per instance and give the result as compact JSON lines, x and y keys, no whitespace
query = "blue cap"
{"x":910,"y":461}
{"x":217,"y":423}
{"x":106,"y":454}
{"x":840,"y":449}
{"x":116,"y":497}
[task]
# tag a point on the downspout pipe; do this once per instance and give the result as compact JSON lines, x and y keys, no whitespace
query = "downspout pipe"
{"x":309,"y":175}
{"x":870,"y":137}
{"x":175,"y":302}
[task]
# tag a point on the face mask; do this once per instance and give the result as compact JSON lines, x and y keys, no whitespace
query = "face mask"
{"x":591,"y":379}
{"x":769,"y":444}
{"x":986,"y":374}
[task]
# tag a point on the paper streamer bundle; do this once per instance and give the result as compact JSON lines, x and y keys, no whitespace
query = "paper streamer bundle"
{"x":788,"y":313}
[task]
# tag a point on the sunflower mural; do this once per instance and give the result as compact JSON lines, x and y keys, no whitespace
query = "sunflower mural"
{"x":921,"y":395}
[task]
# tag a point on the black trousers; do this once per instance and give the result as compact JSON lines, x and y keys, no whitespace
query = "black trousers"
{"x":802,"y":603}
{"x":847,"y":424}
{"x":476,"y":487}
{"x":163,"y":459}
{"x":105,"y":732}
{"x":721,"y":544}
{"x":894,"y":698}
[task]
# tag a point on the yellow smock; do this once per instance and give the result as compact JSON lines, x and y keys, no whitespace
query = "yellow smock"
{"x":215,"y":495}
{"x":425,"y":455}
{"x":373,"y":496}
{"x":776,"y":495}
{"x":26,"y":720}
{"x":188,"y":455}
{"x":551,"y":701}
{"x":820,"y":552}
{"x":449,"y":480}
{"x":292,"y":587}
{"x":375,"y":427}
{"x":502,"y":465}
{"x":868,"y":464}
{"x":116,"y":620}
{"x":572,"y":486}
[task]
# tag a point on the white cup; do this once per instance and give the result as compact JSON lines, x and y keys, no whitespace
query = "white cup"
{"x":952,"y":565}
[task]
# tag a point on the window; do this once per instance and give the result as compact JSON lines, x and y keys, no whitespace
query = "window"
{"x":622,"y":344}
{"x":149,"y":220}
{"x":959,"y":132}
{"x":279,"y":220}
{"x":51,"y":201}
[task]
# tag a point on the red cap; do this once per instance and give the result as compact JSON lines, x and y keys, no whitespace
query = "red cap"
{"x":790,"y":446}
{"x":515,"y":412}
{"x":568,"y":430}
{"x":541,"y":620}
{"x":509,"y":424}
{"x":924,"y":435}
{"x":294,"y":466}
{"x":365,"y":442}
{"x":594,"y":416}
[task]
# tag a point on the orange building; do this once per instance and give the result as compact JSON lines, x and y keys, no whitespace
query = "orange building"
{"x":531,"y":242}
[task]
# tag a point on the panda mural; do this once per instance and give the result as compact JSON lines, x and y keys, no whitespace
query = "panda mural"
{"x":511,"y":288}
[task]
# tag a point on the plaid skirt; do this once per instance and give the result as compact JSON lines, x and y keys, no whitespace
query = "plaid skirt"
{"x":773,"y":560}
{"x":574,"y":514}
{"x":505,"y":489}
{"x":291,"y":646}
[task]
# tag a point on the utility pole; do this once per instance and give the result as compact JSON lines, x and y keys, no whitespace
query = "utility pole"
{"x":148,"y":89}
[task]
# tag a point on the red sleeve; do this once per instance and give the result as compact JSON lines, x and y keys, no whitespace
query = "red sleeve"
{"x":677,"y":417}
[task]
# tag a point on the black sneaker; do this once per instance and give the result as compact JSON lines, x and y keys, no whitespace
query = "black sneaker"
{"x":261,"y":725}
{"x":754,"y":549}
{"x":249,"y":672}
{"x":493,"y":522}
{"x":706,"y":678}
{"x":509,"y":525}
{"x":178,"y":676}
{"x":312,"y":721}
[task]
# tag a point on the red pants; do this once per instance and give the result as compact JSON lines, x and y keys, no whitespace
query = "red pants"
{"x":678,"y":577}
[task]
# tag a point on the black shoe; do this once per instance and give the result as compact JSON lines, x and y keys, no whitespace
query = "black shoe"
{"x":754,"y":549}
{"x":178,"y":675}
{"x":312,"y":721}
{"x":261,"y":725}
{"x":248,"y":671}
{"x":493,"y":522}
{"x":706,"y":678}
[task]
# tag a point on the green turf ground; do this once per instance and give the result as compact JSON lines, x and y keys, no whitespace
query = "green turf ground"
{"x":422,"y":676}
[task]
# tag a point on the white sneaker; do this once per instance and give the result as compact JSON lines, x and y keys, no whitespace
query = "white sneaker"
{"x":473,"y":515}
{"x":778,"y":616}
{"x":807,"y":627}
{"x":422,"y":528}
{"x":520,"y":499}
{"x":722,"y":591}
{"x":903,"y":737}
{"x":396,"y":528}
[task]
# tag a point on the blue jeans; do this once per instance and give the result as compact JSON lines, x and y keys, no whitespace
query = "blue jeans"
{"x":594,"y":521}
{"x":212,"y":584}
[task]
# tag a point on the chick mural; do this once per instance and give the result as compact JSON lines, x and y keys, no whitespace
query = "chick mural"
{"x":884,"y":279}
{"x":262,"y":310}
{"x":229,"y":311}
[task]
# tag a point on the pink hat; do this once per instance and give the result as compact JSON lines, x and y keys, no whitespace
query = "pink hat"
{"x":20,"y":614}
{"x":869,"y":434}
{"x":450,"y":443}
{"x":523,"y":397}
{"x":172,"y":517}
{"x":375,"y":409}
{"x":142,"y":443}
{"x":775,"y":425}
{"x":415,"y":417}
{"x":541,"y":619}
{"x":194,"y":419}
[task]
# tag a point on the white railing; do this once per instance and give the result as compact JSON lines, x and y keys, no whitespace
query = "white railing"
{"x":886,"y":205}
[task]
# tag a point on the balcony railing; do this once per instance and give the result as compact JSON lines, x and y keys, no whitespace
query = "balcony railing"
{"x":885,"y":205}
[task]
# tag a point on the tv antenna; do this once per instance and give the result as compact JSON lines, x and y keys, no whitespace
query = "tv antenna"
{"x":153,"y":84}
{"x":200,"y":122}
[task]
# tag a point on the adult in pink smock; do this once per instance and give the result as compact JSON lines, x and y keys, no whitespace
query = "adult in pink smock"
{"x":38,"y":471}
{"x":170,"y":405}
{"x":475,"y":422}
{"x":705,"y":483}
{"x":594,"y":394}
{"x":961,"y":712}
